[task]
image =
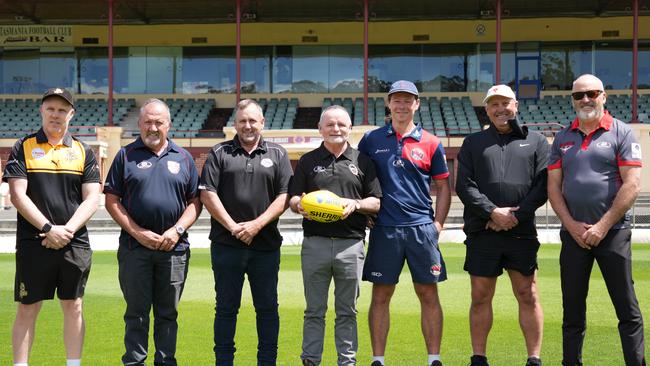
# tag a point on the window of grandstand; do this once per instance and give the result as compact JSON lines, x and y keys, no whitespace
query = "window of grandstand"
{"x":609,"y":56}
{"x":30,"y":71}
{"x":317,"y":68}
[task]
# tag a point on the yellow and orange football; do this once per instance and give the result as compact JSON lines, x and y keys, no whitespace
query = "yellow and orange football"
{"x":322,"y":206}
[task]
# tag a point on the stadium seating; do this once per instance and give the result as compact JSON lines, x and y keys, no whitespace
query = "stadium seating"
{"x":279,"y":113}
{"x":20,"y":116}
{"x":188,"y":116}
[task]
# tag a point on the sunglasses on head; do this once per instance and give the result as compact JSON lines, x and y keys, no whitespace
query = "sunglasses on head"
{"x":591,"y":94}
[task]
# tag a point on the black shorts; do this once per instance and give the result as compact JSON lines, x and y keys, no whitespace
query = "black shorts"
{"x":40,"y":271}
{"x":488,"y":253}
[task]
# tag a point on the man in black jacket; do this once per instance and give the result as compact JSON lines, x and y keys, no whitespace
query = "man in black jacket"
{"x":502,"y":181}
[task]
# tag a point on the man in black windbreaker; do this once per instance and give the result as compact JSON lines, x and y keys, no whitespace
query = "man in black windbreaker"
{"x":502,"y":181}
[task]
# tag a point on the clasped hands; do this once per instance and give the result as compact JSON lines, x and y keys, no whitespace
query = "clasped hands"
{"x":502,"y":219}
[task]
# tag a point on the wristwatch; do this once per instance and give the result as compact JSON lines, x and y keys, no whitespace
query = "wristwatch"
{"x":180,"y":230}
{"x":46,"y":228}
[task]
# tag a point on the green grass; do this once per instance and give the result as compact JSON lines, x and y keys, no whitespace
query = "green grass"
{"x":104,"y":307}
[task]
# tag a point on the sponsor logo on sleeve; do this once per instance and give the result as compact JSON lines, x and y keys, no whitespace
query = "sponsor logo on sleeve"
{"x":636,"y":150}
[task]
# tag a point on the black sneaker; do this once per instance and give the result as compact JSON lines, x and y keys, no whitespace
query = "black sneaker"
{"x":534,"y":361}
{"x":308,"y":362}
{"x":436,"y":363}
{"x":376,"y":363}
{"x":478,"y":360}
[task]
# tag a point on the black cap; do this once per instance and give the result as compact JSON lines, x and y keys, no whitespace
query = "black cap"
{"x":59,"y":92}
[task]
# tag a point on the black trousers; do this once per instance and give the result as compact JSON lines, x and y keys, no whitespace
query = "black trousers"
{"x":614,"y":257}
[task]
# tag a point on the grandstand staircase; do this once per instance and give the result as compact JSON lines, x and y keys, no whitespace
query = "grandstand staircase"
{"x":307,"y":118}
{"x":130,"y":123}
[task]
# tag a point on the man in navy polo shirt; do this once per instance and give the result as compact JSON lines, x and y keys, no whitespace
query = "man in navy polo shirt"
{"x":152,"y":193}
{"x":244,"y":186}
{"x":593,"y":180}
{"x":334,"y":250}
{"x":407,"y":159}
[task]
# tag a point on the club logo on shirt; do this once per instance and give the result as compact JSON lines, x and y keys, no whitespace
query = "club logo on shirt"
{"x":436,"y":269}
{"x":636,"y":150}
{"x":174,"y":167}
{"x":603,"y":145}
{"x":566,"y":147}
{"x":144,"y":164}
{"x":353,"y":169}
{"x":417,"y":154}
{"x":319,"y":169}
{"x":38,"y":153}
{"x":266,"y":162}
{"x":70,"y":155}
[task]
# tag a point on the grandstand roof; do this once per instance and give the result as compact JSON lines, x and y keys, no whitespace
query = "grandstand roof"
{"x":223,"y":11}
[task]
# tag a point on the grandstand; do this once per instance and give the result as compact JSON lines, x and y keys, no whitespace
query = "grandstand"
{"x":296,"y":57}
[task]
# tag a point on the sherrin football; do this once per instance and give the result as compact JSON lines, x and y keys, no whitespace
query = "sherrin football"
{"x":322,"y":206}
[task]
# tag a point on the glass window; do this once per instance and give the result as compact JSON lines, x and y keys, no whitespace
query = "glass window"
{"x":31,"y":71}
{"x":58,"y":68}
{"x":161,"y":69}
{"x":345,"y":69}
{"x":256,"y":69}
{"x":20,"y":71}
{"x":444,"y":68}
{"x":309,"y":64}
{"x":387,"y":64}
{"x":564,"y":62}
{"x":93,"y":70}
{"x":481,"y":66}
{"x":613,"y":62}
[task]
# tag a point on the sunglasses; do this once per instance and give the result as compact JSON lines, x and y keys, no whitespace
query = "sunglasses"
{"x":592,"y":94}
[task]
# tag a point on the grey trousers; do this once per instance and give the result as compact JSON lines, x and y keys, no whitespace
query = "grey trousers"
{"x":323,"y":259}
{"x":150,"y":277}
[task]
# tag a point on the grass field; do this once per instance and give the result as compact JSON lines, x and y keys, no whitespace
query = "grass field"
{"x":104,"y":307}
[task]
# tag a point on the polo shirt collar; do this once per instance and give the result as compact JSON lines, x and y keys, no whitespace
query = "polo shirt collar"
{"x":41,"y":138}
{"x":605,"y":122}
{"x":415,"y":134}
{"x":260,"y":146}
{"x":324,"y":153}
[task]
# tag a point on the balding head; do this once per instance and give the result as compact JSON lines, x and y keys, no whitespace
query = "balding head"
{"x":587,"y":82}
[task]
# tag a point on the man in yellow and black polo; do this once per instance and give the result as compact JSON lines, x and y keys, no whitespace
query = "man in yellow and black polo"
{"x":54,"y":183}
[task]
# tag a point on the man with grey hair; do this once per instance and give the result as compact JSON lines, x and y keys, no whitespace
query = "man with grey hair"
{"x":334,"y":250}
{"x":594,"y":174}
{"x":244,"y":186}
{"x":152,"y":193}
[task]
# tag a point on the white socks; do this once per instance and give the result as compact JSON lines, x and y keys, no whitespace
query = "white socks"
{"x":378,"y":358}
{"x":433,"y":358}
{"x":73,"y":362}
{"x":20,"y":364}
